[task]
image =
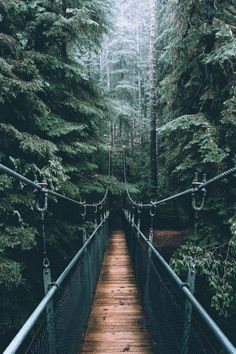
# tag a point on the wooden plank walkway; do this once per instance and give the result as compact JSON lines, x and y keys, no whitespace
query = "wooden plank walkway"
{"x":116,"y":323}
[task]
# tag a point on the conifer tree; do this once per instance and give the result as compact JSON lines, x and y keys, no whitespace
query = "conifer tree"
{"x":196,"y":108}
{"x":152,"y":98}
{"x":124,"y":73}
{"x":50,"y":119}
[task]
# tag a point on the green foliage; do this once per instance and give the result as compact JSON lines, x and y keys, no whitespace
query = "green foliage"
{"x":51,"y":118}
{"x":10,"y":274}
{"x":123,"y":71}
{"x":196,"y":106}
{"x":218,"y":271}
{"x":233,"y":230}
{"x":192,"y":135}
{"x":21,"y":236}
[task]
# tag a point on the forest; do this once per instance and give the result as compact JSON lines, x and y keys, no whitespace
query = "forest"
{"x":82,"y":78}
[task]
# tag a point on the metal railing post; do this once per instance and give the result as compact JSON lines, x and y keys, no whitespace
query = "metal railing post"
{"x":148,"y":268}
{"x":47,"y":280}
{"x":132,"y":236}
{"x":137,"y":239}
{"x":42,"y":207}
{"x":187,"y":291}
{"x":188,"y":309}
{"x":30,"y":324}
{"x":86,"y":255}
{"x":149,"y":255}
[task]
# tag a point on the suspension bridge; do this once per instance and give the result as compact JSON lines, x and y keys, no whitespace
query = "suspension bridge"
{"x":118,"y":294}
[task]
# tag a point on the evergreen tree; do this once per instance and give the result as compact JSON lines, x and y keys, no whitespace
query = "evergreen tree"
{"x":124,"y":71}
{"x":196,"y":107}
{"x":51,"y":115}
{"x":152,"y":101}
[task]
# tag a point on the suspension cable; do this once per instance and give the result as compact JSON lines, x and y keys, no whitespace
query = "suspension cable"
{"x":102,"y":201}
{"x":225,"y":342}
{"x":218,"y":178}
{"x":27,"y":181}
{"x":200,"y":187}
{"x":152,"y":203}
{"x":126,"y":187}
{"x":21,"y":178}
{"x":42,"y":206}
{"x":196,"y":188}
{"x":41,"y":188}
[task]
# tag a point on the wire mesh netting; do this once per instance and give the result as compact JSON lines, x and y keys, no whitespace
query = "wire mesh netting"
{"x":61,"y":328}
{"x":173,"y":323}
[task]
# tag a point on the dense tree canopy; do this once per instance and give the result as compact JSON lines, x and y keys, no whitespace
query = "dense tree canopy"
{"x":51,"y":116}
{"x":194,"y":107}
{"x":196,"y":86}
{"x":163,"y":84}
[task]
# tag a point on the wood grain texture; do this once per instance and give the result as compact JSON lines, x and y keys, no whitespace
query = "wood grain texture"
{"x":117,"y":323}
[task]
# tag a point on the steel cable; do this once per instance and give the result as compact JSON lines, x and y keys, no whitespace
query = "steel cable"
{"x":177,"y":195}
{"x":163,"y":278}
{"x":40,"y":188}
{"x":107,"y":189}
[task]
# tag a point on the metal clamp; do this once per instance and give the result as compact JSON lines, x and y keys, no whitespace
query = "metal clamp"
{"x":42,"y":208}
{"x":140,"y":206}
{"x":83,"y":214}
{"x":151,"y":234}
{"x":198,"y":205}
{"x":84,"y":236}
{"x":185,"y":284}
{"x":192,"y":264}
{"x":152,"y":209}
{"x":54,"y":283}
{"x":46,"y":263}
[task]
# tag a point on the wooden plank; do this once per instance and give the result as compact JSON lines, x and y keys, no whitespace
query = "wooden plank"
{"x":117,"y":346}
{"x":117,"y":323}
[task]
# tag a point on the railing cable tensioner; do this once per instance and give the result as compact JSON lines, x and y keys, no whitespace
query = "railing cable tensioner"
{"x":42,"y":207}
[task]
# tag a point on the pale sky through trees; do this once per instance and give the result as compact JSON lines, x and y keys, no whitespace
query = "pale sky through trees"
{"x":124,"y":68}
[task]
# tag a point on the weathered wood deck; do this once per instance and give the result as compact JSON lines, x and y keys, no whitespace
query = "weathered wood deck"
{"x":116,"y":323}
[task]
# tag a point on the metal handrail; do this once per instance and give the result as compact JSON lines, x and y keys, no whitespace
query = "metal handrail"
{"x":225,"y":342}
{"x":32,"y":320}
{"x":41,"y":188}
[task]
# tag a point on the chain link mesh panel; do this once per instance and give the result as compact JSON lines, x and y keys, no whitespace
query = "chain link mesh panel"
{"x":60,"y":330}
{"x":165,"y":303}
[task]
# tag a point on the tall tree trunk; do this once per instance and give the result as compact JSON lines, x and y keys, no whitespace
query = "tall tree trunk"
{"x":112,"y":134}
{"x":139,"y":80}
{"x":108,"y":74}
{"x":64,"y":44}
{"x":152,"y":101}
{"x":101,"y":69}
